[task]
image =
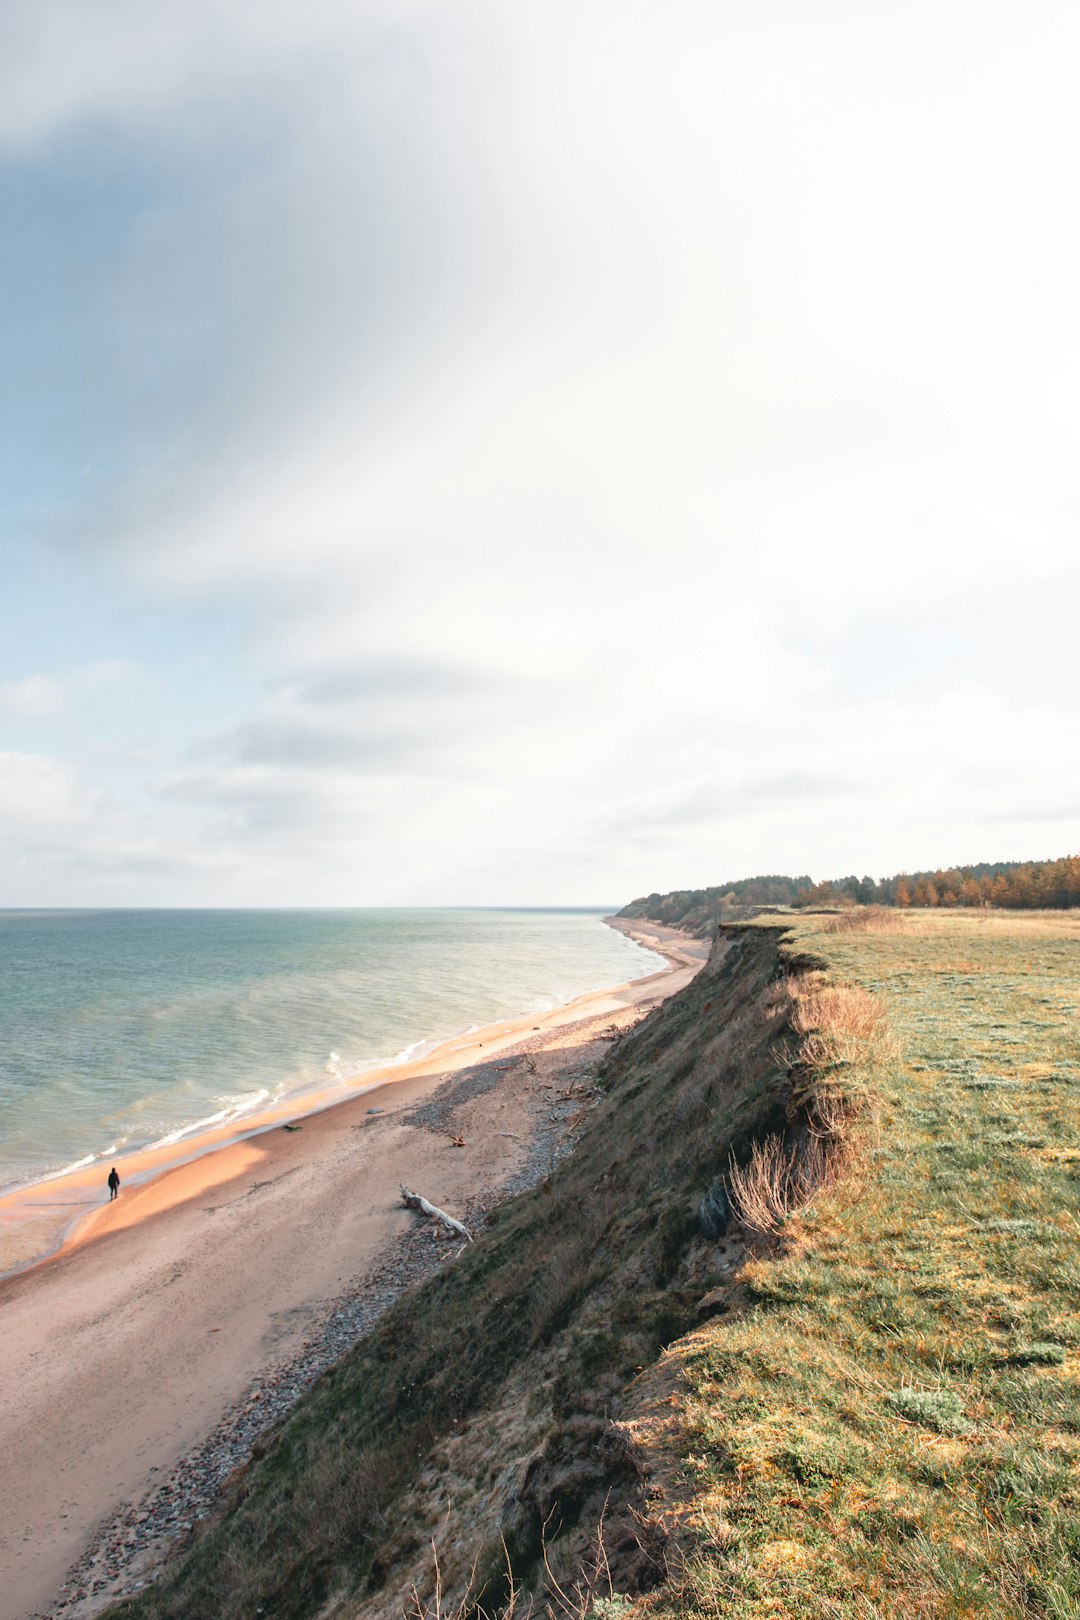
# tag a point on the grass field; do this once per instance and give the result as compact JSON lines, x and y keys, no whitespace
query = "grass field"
{"x":891,"y":1427}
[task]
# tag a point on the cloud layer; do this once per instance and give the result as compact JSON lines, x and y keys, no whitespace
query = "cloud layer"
{"x":574,"y":450}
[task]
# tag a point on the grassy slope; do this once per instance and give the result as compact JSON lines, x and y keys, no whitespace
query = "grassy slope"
{"x":522,"y":1344}
{"x":884,"y":1424}
{"x":892,"y":1428}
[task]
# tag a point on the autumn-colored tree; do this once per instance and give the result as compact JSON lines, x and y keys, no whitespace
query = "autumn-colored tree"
{"x":818,"y":894}
{"x":1008,"y":883}
{"x":1002,"y":883}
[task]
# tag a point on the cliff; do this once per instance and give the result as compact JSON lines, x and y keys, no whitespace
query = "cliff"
{"x":860,"y":1400}
{"x":478,"y":1413}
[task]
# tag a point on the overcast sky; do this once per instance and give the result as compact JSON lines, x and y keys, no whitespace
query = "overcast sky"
{"x":485,"y":453}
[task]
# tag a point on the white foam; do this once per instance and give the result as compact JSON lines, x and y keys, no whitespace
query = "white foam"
{"x":351,"y":1074}
{"x":37,"y":1177}
{"x":353,"y":1071}
{"x":79,"y":1164}
{"x":407,"y":1053}
{"x":235,"y":1110}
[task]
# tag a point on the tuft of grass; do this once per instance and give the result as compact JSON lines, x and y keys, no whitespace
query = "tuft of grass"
{"x":778,"y":1182}
{"x":616,"y":1607}
{"x":1037,"y":1355}
{"x":940,"y":1409}
{"x":842,"y":1024}
{"x":865,"y":920}
{"x":845,"y":1038}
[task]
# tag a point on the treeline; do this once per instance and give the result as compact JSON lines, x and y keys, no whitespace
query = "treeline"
{"x":698,"y":910}
{"x":1052,"y":885}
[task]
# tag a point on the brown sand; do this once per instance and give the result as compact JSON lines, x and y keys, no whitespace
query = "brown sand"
{"x":122,"y":1350}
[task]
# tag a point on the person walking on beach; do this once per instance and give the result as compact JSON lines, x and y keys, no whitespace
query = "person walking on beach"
{"x":114,"y":1184}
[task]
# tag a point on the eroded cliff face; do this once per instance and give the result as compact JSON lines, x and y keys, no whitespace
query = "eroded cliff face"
{"x":548,"y":1476}
{"x":476,"y":1438}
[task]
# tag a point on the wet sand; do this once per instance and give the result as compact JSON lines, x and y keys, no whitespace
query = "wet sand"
{"x":122,"y":1350}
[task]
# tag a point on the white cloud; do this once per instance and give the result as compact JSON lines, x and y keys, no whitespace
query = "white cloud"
{"x":33,"y":697}
{"x":622,"y":367}
{"x":44,"y":697}
{"x":39,"y":792}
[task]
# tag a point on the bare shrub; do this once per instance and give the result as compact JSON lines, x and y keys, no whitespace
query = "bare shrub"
{"x":436,"y":1606}
{"x":778,"y":1181}
{"x":590,"y":1595}
{"x":844,"y":1036}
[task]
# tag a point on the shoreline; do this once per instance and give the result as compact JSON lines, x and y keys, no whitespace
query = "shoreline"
{"x":235,"y":1115}
{"x":141,"y":1362}
{"x":44,"y":1219}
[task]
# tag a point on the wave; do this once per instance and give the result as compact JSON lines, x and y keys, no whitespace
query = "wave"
{"x":32,"y":1178}
{"x":141,"y":1084}
{"x":86,"y":1162}
{"x":224,"y":1116}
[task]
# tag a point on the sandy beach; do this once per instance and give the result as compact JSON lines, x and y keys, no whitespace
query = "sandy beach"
{"x":198,"y":1303}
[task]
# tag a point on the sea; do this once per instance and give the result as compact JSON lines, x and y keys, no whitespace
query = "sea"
{"x":125,"y":1029}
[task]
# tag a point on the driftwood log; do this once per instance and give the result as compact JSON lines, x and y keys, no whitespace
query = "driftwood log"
{"x":413,"y":1200}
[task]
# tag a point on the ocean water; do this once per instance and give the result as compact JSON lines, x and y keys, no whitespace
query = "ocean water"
{"x":123,"y":1028}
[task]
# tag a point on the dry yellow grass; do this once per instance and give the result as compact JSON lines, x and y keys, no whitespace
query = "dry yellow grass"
{"x":865,"y":919}
{"x":778,"y":1182}
{"x":842,"y":1026}
{"x":845,"y":1038}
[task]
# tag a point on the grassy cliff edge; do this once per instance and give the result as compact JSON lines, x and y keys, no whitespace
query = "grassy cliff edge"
{"x":848,"y":1388}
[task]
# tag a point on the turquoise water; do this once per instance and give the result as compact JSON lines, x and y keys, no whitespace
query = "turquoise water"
{"x":122,"y":1028}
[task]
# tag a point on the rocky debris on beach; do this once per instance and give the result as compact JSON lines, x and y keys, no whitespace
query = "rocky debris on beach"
{"x":129,"y":1548}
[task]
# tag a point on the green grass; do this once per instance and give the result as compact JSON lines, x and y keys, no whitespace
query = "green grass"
{"x":893,"y":1427}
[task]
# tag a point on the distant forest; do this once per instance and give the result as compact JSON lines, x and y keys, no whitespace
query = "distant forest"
{"x":1014,"y":884}
{"x":1011,"y":884}
{"x":698,"y":909}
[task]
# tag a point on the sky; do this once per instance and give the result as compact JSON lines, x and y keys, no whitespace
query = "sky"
{"x":460,"y":453}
